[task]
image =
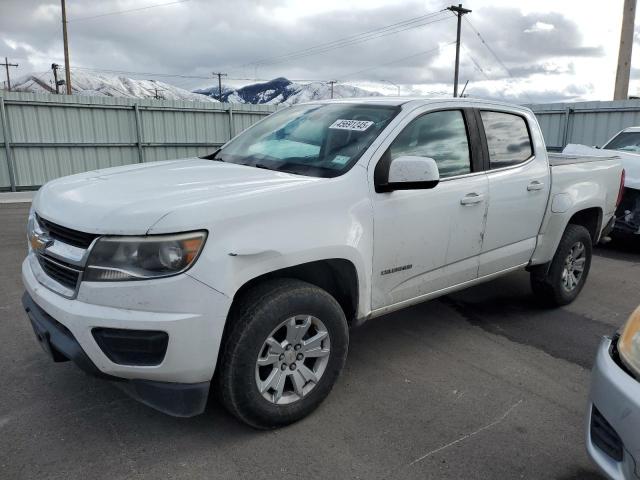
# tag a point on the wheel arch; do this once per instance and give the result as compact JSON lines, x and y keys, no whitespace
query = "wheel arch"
{"x":337,"y":276}
{"x":591,"y":219}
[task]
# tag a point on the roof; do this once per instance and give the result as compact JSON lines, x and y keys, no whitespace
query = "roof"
{"x":398,"y":101}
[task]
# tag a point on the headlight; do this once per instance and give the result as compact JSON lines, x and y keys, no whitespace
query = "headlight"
{"x":31,"y":220}
{"x":138,"y":258}
{"x":629,"y":342}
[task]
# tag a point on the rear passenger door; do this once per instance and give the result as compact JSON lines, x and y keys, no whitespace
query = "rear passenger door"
{"x":518,"y":190}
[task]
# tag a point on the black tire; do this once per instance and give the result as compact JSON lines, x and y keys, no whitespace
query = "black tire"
{"x":547,"y":284}
{"x":257,"y":314}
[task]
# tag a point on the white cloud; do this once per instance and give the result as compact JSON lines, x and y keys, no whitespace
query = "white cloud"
{"x":540,"y":27}
{"x":552,"y":49}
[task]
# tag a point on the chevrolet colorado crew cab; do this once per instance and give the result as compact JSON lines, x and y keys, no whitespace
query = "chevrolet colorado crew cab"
{"x":241,"y":272}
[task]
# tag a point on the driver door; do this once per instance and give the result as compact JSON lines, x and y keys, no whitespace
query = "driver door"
{"x":426,"y":240}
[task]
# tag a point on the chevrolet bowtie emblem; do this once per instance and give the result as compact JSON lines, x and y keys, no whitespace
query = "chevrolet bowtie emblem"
{"x":39,"y":241}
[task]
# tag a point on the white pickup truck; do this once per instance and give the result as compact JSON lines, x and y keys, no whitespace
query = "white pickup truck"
{"x":242,"y":271}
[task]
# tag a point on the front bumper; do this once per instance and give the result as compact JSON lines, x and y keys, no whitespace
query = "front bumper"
{"x":614,"y":397}
{"x":191,"y":313}
{"x":177,"y":399}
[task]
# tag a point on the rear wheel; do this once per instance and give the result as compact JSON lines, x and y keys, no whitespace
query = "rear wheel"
{"x":286,"y":348}
{"x":561,"y":283}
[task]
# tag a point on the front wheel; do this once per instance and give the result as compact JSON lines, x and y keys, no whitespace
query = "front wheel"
{"x":561,"y":283}
{"x":286,"y":348}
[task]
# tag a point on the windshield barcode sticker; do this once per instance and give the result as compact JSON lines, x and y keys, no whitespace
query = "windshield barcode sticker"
{"x":357,"y":125}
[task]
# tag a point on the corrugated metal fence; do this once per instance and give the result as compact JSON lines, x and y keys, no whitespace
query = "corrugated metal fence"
{"x":588,"y":123}
{"x":48,"y":136}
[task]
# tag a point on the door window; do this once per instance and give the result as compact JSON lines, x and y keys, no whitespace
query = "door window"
{"x":507,"y":138}
{"x":439,"y":135}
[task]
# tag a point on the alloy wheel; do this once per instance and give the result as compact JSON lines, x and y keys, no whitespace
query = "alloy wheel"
{"x":292,"y":359}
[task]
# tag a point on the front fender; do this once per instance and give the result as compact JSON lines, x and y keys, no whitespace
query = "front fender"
{"x":331,"y":219}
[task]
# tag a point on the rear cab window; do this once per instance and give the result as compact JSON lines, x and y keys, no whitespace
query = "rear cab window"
{"x":508,"y":138}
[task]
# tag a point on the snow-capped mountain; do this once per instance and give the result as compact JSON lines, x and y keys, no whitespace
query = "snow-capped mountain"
{"x":97,"y":84}
{"x":283,"y":91}
{"x":274,"y":92}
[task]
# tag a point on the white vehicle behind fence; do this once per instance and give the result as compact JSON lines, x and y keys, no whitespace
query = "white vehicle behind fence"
{"x":241,"y":272}
{"x":625,"y":145}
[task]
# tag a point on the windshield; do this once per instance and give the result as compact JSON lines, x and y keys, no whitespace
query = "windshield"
{"x":316,"y":140}
{"x":625,"y":142}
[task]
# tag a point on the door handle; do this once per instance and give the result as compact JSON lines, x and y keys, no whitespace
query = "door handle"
{"x":472,"y":199}
{"x":535,"y":185}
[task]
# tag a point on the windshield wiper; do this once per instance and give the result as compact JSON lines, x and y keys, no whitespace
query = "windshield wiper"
{"x":212,"y":156}
{"x":261,"y":165}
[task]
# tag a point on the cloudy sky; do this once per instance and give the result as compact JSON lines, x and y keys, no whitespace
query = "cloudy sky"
{"x":533,"y":50}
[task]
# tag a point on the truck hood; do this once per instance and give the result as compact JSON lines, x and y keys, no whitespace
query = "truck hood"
{"x":630,"y":161}
{"x":130,"y":199}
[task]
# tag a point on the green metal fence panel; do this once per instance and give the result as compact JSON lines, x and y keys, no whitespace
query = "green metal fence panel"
{"x":173,"y":126}
{"x":588,"y":123}
{"x":5,"y":182}
{"x":36,"y":166}
{"x":50,"y":136}
{"x":156,"y":153}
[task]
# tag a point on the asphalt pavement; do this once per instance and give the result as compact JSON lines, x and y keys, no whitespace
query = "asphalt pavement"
{"x":482,"y":384}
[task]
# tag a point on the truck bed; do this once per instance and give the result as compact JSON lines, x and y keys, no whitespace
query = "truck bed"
{"x":557,"y":159}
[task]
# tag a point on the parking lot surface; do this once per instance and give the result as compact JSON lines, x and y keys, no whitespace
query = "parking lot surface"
{"x":480,"y":384}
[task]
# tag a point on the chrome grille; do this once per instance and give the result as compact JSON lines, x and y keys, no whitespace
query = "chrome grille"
{"x":61,"y":272}
{"x":67,"y":235}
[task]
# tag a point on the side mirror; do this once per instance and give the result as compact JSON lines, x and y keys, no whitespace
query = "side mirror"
{"x":411,"y":173}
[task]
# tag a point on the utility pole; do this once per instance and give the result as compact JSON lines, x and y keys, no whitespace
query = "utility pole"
{"x":621,"y":91}
{"x":55,"y":67}
{"x":6,"y":66}
{"x":459,"y":11}
{"x":220,"y":75}
{"x":332,"y":82}
{"x":156,"y":96}
{"x":65,"y":40}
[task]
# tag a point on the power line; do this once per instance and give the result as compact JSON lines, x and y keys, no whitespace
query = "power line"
{"x":495,"y":55}
{"x":425,"y":52}
{"x":120,"y":12}
{"x":197,"y":77}
{"x":152,"y":74}
{"x":412,"y":19}
{"x":488,"y":47}
{"x":476,"y":63}
{"x":194,"y":77}
{"x":354,"y":42}
{"x":392,"y":29}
